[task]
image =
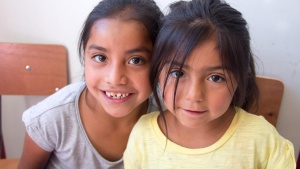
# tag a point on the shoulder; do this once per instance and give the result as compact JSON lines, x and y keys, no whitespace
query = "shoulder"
{"x":258,"y":129}
{"x":147,"y":119}
{"x":142,"y":136}
{"x":267,"y":140}
{"x":256,"y":126}
{"x":145,"y":123}
{"x":55,"y":103}
{"x":250,"y":120}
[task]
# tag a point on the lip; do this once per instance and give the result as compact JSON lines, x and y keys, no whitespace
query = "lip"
{"x":195,"y":112}
{"x":125,"y":96}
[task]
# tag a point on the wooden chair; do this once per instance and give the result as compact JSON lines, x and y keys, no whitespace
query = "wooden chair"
{"x":31,"y":69}
{"x":9,"y":163}
{"x":271,"y":92}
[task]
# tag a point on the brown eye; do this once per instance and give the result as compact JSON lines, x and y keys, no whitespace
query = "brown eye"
{"x":100,"y":58}
{"x":136,"y":61}
{"x":177,"y":74}
{"x":216,"y":78}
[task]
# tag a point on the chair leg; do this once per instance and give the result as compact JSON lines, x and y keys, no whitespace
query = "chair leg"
{"x":2,"y":150}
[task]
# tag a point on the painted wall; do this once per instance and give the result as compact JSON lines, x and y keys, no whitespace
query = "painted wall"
{"x":274,"y":26}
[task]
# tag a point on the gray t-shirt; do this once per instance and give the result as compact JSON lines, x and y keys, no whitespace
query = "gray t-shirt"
{"x":55,"y":125}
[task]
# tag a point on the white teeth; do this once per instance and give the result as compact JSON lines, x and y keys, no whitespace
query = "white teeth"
{"x":116,"y":95}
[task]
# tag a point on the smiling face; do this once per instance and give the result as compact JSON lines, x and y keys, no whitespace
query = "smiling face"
{"x":204,"y":91}
{"x":117,"y":64}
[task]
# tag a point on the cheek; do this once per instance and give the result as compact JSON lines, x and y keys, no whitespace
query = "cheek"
{"x":88,"y":77}
{"x":144,"y":84}
{"x":92,"y":75}
{"x":88,"y":73}
{"x":142,"y":80}
{"x":222,"y":100}
{"x":169,"y":94}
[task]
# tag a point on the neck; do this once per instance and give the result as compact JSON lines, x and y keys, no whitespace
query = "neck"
{"x":200,"y":137}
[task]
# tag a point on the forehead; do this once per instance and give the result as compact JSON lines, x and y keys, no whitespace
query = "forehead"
{"x":202,"y":56}
{"x":119,"y":21}
{"x":205,"y":53}
{"x":119,"y":35}
{"x":119,"y":26}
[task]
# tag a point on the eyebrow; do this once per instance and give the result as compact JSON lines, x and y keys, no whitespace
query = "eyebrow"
{"x":139,"y":49}
{"x":97,"y":47}
{"x":213,"y":68}
{"x":207,"y":69}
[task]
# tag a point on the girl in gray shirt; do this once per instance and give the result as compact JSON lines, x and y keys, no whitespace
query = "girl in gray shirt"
{"x":87,"y":124}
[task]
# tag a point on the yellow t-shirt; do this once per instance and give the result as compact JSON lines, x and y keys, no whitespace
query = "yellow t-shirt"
{"x":249,"y":143}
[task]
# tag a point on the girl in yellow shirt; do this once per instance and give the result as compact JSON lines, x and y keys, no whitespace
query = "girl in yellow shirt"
{"x":204,"y":68}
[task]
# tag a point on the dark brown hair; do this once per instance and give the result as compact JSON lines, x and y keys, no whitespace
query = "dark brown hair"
{"x":144,"y":11}
{"x":192,"y":23}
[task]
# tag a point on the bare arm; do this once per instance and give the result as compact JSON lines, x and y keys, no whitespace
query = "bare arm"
{"x":33,"y":156}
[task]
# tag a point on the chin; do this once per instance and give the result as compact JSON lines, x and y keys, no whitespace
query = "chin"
{"x":117,"y":113}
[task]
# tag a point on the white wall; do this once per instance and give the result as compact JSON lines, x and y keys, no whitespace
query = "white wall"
{"x":274,"y":27}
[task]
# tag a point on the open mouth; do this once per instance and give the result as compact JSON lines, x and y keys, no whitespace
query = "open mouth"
{"x":116,"y":95}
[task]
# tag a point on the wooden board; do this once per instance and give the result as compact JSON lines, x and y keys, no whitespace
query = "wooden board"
{"x":9,"y":163}
{"x":32,"y":69}
{"x":271,"y":91}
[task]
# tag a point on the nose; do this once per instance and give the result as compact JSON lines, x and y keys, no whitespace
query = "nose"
{"x":116,"y":74}
{"x":195,"y":91}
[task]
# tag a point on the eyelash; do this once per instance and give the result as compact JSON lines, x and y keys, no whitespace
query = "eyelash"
{"x":140,"y":60}
{"x":102,"y":58}
{"x":174,"y":73}
{"x":220,"y":78}
{"x":98,"y":59}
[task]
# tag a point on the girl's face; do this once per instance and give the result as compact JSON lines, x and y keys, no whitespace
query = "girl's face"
{"x":117,"y":64}
{"x":204,"y":91}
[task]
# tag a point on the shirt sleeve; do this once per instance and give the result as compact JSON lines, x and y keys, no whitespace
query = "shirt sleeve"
{"x":287,"y":157}
{"x":35,"y":132}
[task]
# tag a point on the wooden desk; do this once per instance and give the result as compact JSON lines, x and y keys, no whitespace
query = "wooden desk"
{"x":9,"y":163}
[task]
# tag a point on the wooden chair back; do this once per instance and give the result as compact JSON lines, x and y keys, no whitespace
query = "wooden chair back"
{"x":270,"y":97}
{"x":31,"y":69}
